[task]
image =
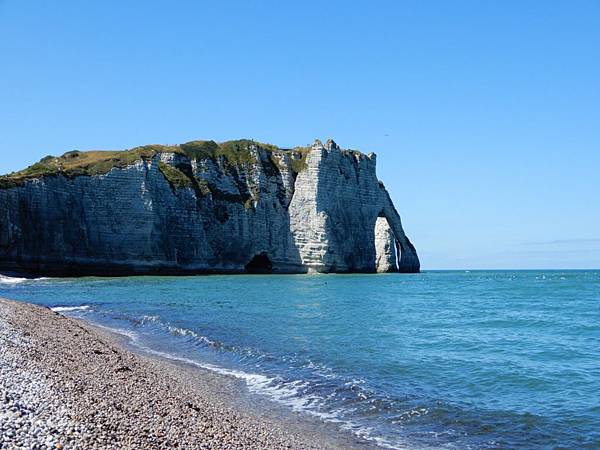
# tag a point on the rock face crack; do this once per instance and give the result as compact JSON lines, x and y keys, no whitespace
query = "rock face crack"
{"x":314,"y":209}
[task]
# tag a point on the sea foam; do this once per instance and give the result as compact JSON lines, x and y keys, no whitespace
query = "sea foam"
{"x":62,"y":309}
{"x":11,"y":280}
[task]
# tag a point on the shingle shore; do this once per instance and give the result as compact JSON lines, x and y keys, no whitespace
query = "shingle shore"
{"x":66,"y":384}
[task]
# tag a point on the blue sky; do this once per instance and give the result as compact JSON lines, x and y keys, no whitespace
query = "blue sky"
{"x":485,"y":115}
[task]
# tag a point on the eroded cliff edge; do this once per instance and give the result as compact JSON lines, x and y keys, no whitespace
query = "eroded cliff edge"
{"x":202,"y":207}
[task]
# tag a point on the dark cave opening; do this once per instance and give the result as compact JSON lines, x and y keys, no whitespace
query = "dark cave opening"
{"x":259,"y":264}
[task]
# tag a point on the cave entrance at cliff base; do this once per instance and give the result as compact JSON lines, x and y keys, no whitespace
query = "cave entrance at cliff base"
{"x":260,"y":264}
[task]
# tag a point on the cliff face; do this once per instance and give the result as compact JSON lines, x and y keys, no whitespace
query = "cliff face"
{"x":202,"y":209}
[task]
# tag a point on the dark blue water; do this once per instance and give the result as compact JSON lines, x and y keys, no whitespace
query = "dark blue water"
{"x":435,"y":360}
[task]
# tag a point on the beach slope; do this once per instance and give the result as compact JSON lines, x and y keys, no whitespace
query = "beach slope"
{"x":67,"y":384}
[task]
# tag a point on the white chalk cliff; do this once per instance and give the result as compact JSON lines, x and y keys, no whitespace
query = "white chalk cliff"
{"x":171,"y":210}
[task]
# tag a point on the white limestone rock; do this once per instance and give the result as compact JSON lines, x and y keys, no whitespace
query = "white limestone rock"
{"x":330,"y":216}
{"x":385,"y":247}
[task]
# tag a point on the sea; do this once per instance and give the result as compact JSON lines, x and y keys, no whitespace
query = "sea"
{"x":440,"y":359}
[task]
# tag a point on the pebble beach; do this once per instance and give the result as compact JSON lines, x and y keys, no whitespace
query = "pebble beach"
{"x":67,"y":384}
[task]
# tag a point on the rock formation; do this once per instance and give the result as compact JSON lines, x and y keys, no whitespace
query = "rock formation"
{"x":202,"y":207}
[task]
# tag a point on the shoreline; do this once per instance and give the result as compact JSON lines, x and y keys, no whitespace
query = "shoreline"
{"x":69,"y":384}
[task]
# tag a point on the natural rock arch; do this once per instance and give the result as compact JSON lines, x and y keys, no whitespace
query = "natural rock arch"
{"x":408,"y":261}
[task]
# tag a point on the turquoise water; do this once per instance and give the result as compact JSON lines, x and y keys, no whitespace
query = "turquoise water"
{"x":451,"y":359}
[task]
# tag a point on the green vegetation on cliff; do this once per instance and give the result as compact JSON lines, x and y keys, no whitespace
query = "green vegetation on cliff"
{"x":233,"y":155}
{"x":175,"y":177}
{"x":298,"y":158}
{"x":76,"y":163}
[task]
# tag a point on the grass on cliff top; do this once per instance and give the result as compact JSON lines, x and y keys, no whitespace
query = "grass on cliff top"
{"x":76,"y":163}
{"x":235,"y":153}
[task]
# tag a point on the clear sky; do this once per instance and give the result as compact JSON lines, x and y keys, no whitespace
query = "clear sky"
{"x":485,"y":115}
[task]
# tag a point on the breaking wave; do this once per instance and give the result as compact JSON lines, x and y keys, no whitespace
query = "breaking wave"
{"x":63,"y":309}
{"x":5,"y":279}
{"x":301,"y":385}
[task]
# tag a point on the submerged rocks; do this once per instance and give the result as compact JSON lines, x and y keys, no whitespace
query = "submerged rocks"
{"x":200,"y":207}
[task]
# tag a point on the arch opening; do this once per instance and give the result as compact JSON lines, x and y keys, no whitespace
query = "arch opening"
{"x":387,"y":250}
{"x":260,"y":263}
